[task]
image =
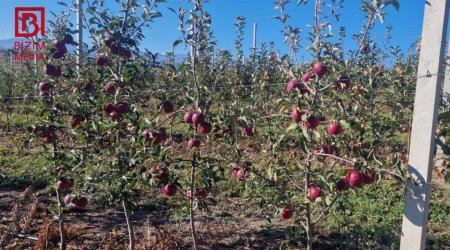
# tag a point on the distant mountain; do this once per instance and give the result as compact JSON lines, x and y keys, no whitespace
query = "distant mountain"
{"x":178,"y":59}
{"x":7,"y":44}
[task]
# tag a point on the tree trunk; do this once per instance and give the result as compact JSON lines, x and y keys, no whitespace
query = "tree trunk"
{"x":129,"y":227}
{"x":191,"y":203}
{"x":309,"y":227}
{"x":62,"y":233}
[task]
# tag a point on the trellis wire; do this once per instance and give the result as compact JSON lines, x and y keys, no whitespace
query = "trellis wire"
{"x":222,"y":87}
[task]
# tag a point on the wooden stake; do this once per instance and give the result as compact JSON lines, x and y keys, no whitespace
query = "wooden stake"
{"x":426,"y":104}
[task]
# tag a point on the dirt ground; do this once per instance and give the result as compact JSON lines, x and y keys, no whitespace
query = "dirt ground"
{"x":106,"y":229}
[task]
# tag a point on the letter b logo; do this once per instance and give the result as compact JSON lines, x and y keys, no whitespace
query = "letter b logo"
{"x":29,"y":21}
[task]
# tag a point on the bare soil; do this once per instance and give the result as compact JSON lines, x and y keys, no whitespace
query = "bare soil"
{"x":105,"y":229}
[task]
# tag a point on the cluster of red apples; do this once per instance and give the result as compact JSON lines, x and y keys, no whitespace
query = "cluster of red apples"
{"x":170,"y":189}
{"x":58,"y":51}
{"x":353,"y":179}
{"x":79,"y":202}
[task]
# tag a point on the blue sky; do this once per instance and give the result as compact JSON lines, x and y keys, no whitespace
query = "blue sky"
{"x":407,"y":23}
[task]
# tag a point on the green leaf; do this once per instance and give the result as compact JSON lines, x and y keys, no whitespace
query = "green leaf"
{"x":396,"y":4}
{"x":444,"y":116}
{"x":304,"y":147}
{"x":447,"y":177}
{"x":292,"y":127}
{"x":176,"y":43}
{"x":328,"y":200}
{"x":306,"y":134}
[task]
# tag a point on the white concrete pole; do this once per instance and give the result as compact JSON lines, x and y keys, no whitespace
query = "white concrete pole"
{"x":427,"y":99}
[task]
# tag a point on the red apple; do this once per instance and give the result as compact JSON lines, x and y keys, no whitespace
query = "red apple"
{"x":114,"y":116}
{"x":44,"y":94}
{"x":334,"y":128}
{"x":159,"y":173}
{"x":354,"y":178}
{"x":58,"y":54}
{"x":216,"y":134}
{"x":198,"y":118}
{"x":168,"y":107}
{"x":204,"y":128}
{"x":49,"y":130}
{"x":114,"y":50}
{"x":249,"y":130}
{"x":162,"y":134}
{"x":324,"y":149}
{"x":35,"y":129}
{"x":48,"y":139}
{"x":241,"y":174}
{"x":62,"y":50}
{"x":145,"y":133}
{"x":287,"y":212}
{"x":296,"y":114}
{"x":77,"y":119}
{"x":58,"y":72}
{"x":88,"y":87}
{"x":187,"y":195}
{"x":311,"y":122}
{"x":327,"y":149}
{"x":101,"y":60}
{"x":342,"y":185}
{"x":227,"y":130}
{"x":234,"y":172}
{"x":170,"y":189}
{"x":61,"y":185}
{"x":109,"y":89}
{"x":109,"y":41}
{"x":356,"y":146}
{"x":122,"y":107}
{"x":320,"y":69}
{"x":108,"y":107}
{"x":368,"y":178}
{"x":45,"y":86}
{"x":294,"y":84}
{"x":64,"y":184}
{"x":200,"y":193}
{"x":314,"y":192}
{"x":68,"y":39}
{"x":193,"y":143}
{"x":50,"y":69}
{"x":154,"y":137}
{"x":80,"y":202}
{"x":67,"y":199}
{"x":59,"y":44}
{"x":306,"y":76}
{"x":125,"y":53}
{"x":187,"y":117}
